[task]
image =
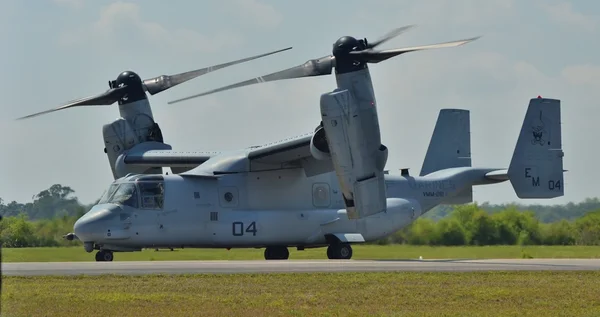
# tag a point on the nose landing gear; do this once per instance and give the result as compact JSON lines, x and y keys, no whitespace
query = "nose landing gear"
{"x":104,"y":256}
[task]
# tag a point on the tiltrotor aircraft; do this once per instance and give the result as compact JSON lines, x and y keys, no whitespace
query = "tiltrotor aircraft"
{"x":327,"y":188}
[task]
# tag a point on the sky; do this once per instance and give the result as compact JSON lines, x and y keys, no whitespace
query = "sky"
{"x":54,"y":51}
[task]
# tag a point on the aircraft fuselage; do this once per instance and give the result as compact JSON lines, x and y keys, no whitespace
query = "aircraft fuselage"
{"x":258,"y":209}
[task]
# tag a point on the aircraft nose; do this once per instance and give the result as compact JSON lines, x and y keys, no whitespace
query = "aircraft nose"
{"x":92,"y":225}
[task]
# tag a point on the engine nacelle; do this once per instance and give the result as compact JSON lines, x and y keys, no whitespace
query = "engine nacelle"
{"x":381,"y":157}
{"x":358,"y":157}
{"x":118,"y":137}
{"x":123,"y":134}
{"x":318,"y":145}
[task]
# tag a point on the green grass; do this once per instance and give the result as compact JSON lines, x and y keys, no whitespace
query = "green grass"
{"x":308,"y":294}
{"x":360,"y":252}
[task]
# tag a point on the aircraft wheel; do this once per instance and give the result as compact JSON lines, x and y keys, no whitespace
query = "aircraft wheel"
{"x":277,"y":253}
{"x":104,"y":256}
{"x":342,"y":251}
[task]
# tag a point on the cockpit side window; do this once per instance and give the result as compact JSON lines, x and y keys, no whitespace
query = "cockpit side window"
{"x":126,"y":194}
{"x":153,"y":194}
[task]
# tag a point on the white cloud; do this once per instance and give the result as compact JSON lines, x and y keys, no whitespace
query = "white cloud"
{"x":588,"y":75}
{"x":257,"y":12}
{"x":563,"y":13}
{"x":121,"y":24}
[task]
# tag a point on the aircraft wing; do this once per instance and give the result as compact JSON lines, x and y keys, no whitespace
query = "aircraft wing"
{"x":291,"y":153}
{"x":288,"y":153}
{"x":167,"y":158}
{"x":281,"y":152}
{"x":285,"y":154}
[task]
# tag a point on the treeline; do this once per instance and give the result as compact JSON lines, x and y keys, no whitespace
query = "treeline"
{"x":471,"y":225}
{"x":544,"y":213}
{"x":43,"y":221}
{"x":56,"y":201}
{"x":19,"y":232}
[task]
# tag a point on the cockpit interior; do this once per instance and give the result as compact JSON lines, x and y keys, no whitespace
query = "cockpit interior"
{"x":143,"y":192}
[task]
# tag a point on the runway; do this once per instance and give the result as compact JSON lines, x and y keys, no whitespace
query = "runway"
{"x":294,"y":266}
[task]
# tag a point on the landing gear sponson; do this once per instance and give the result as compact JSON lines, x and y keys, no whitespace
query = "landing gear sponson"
{"x":337,"y":251}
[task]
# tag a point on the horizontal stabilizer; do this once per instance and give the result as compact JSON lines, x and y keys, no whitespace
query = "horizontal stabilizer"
{"x":536,"y":169}
{"x":497,"y":175}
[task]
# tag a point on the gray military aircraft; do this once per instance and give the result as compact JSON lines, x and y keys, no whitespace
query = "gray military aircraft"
{"x":327,"y":188}
{"x":246,"y":204}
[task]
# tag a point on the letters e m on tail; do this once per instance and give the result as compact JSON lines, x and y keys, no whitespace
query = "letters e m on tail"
{"x":536,"y":167}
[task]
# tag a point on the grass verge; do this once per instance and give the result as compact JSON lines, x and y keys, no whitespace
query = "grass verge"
{"x":360,"y":252}
{"x":308,"y":294}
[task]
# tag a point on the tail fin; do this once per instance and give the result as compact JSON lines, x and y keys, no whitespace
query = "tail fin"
{"x":536,"y":167}
{"x":450,"y":144}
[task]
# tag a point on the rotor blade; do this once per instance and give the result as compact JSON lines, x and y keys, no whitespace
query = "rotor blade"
{"x":378,"y":56}
{"x":107,"y":98}
{"x":315,"y":67}
{"x":164,"y":82}
{"x":390,"y":35}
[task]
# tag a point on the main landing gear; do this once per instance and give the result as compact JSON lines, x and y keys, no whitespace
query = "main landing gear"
{"x":339,"y":251}
{"x":276,"y":253}
{"x":104,"y":256}
{"x":336,"y":251}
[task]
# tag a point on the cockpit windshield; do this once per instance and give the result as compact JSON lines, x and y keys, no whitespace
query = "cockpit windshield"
{"x":151,"y":194}
{"x":126,"y":194}
{"x":108,"y":194}
{"x":122,"y":194}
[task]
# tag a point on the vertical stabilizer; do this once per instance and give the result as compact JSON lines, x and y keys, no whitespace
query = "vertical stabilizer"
{"x":536,"y":168}
{"x":450,"y":144}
